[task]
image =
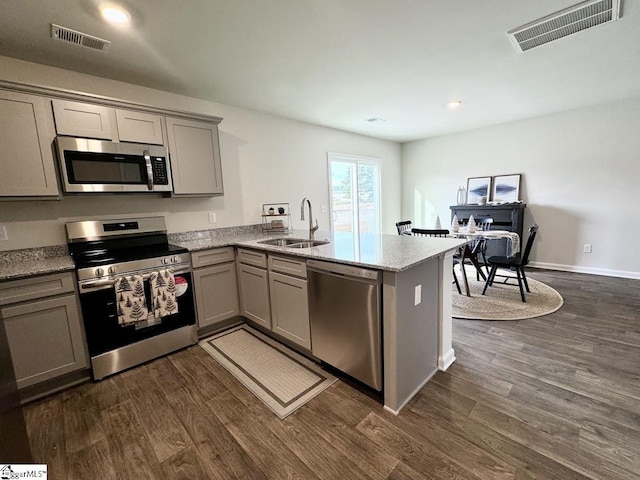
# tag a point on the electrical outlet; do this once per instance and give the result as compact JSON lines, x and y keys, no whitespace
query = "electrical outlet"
{"x":212,"y":217}
{"x":418,"y":295}
{"x":587,"y":248}
{"x":3,"y":234}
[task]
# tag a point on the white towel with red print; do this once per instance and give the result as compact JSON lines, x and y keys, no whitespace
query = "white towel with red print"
{"x":130,"y":298}
{"x":163,"y":293}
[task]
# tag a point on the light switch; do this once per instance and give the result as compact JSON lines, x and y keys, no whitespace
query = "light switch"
{"x":418,"y":295}
{"x":212,"y":217}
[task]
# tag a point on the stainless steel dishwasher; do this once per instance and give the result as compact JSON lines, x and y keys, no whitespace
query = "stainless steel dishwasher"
{"x":344,"y":310}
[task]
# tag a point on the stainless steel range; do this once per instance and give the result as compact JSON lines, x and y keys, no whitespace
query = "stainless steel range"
{"x":136,"y":291}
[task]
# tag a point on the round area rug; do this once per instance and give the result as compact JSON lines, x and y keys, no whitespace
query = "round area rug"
{"x":503,"y":302}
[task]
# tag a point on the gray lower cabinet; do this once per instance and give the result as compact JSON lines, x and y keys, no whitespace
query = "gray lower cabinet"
{"x":26,"y":152}
{"x":216,"y":286}
{"x":290,"y":308}
{"x":45,"y":334}
{"x":194,"y":149}
{"x":253,"y":280}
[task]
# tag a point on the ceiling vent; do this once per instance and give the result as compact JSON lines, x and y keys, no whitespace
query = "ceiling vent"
{"x":564,"y":23}
{"x":78,"y":38}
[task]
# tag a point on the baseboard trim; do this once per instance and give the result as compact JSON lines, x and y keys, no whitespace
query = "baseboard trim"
{"x":589,"y":270}
{"x":446,"y":360}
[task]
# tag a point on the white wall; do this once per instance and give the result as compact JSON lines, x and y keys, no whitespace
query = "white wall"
{"x":265,"y":159}
{"x":580,"y":181}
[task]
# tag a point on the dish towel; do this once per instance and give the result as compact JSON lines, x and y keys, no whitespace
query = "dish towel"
{"x":163,"y":291}
{"x":131,"y":302}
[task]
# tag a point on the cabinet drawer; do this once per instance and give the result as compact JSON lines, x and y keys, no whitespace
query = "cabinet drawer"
{"x":36,"y":287}
{"x":288,"y":265}
{"x":212,"y":257}
{"x":252,"y":257}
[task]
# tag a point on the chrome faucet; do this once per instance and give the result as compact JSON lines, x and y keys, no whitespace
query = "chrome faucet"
{"x":311,"y":227}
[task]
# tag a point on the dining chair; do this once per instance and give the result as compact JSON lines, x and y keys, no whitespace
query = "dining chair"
{"x":404,"y":227}
{"x":514,"y":263}
{"x":430,"y":232}
{"x":421,"y":232}
{"x":483,"y":224}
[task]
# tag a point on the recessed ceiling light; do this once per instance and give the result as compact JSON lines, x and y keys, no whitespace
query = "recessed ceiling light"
{"x":375,"y":120}
{"x":454,"y":103}
{"x":115,"y":15}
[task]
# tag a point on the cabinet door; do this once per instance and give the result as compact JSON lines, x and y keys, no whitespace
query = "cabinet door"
{"x":254,"y":294}
{"x":139,"y":127}
{"x":195,"y":157}
{"x":26,"y":152}
{"x":216,"y":290}
{"x":82,"y":119}
{"x":45,"y":339}
{"x":290,"y":308}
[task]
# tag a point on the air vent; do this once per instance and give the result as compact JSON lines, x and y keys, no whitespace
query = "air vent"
{"x":564,"y":23}
{"x":78,"y":38}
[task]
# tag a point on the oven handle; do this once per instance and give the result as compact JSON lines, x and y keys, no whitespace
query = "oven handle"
{"x":108,"y":283}
{"x":147,"y":161}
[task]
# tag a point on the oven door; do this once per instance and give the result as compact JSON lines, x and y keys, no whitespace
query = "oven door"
{"x":99,"y":310}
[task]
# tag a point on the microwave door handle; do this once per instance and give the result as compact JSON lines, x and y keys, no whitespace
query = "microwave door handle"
{"x":147,"y":161}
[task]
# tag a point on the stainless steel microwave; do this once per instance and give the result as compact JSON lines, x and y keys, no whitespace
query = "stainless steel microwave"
{"x":97,"y":166}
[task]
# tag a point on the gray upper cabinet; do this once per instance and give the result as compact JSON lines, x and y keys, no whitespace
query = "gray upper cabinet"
{"x":82,"y":120}
{"x":87,"y":120}
{"x":26,"y":152}
{"x":139,"y":127}
{"x":195,"y":157}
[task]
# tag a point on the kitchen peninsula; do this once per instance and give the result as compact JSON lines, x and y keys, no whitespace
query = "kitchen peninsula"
{"x":415,"y":295}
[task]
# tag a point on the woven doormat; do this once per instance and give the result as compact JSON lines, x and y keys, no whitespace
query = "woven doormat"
{"x":281,"y":378}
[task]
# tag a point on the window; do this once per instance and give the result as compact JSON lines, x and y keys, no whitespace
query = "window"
{"x":354,"y":183}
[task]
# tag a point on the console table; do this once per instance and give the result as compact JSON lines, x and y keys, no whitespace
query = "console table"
{"x":505,"y":217}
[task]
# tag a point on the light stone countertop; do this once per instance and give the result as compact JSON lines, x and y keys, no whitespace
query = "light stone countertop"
{"x":29,"y":262}
{"x":393,"y":253}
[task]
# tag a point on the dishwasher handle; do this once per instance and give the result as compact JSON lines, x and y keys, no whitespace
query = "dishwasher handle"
{"x":344,"y":270}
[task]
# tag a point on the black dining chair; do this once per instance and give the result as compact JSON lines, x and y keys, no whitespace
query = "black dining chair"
{"x":430,"y":232}
{"x":421,"y":232}
{"x":483,"y":224}
{"x":515,"y":263}
{"x":404,"y":227}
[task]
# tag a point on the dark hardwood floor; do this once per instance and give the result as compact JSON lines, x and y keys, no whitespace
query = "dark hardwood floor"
{"x":557,"y":397}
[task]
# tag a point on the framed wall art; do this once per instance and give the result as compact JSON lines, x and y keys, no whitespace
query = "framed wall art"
{"x":506,"y":188}
{"x":478,"y":187}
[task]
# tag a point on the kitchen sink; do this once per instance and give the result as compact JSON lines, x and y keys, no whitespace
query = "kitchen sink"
{"x":294,"y":242}
{"x":308,"y":244}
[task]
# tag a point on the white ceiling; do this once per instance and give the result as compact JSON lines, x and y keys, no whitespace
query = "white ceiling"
{"x":339,"y":62}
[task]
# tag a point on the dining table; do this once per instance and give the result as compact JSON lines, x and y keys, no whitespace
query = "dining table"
{"x":472,"y":249}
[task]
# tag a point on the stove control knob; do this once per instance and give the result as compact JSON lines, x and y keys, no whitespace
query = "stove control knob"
{"x":174,"y":259}
{"x":113,"y":270}
{"x":165,"y":261}
{"x":99,"y":272}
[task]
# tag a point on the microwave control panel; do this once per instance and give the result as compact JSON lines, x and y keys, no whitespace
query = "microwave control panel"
{"x":160,"y":174}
